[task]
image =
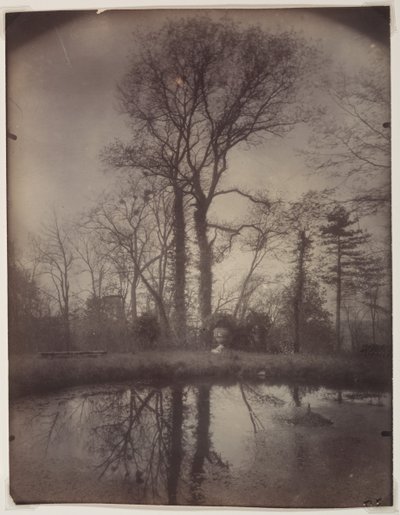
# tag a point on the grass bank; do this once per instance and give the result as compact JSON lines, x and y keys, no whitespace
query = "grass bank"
{"x":36,"y":374}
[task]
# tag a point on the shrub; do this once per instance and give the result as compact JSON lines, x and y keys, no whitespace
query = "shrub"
{"x":223,"y":320}
{"x":253,"y":333}
{"x":146,"y":330}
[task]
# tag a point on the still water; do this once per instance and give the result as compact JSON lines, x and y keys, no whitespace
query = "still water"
{"x":242,"y":445}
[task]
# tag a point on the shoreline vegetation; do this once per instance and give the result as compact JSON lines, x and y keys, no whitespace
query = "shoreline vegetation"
{"x":33,"y":375}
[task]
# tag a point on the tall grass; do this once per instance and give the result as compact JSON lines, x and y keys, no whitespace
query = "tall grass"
{"x":35,"y":374}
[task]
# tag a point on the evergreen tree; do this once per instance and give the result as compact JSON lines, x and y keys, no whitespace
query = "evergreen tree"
{"x":344,"y":246}
{"x":302,"y":253}
{"x":313,"y":326}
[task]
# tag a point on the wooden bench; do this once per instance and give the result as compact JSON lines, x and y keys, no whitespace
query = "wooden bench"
{"x":73,"y":353}
{"x":379,"y":351}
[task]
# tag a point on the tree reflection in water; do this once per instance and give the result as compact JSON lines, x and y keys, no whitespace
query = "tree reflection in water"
{"x":176,"y":445}
{"x":144,"y":434}
{"x":203,"y":452}
{"x":70,"y":414}
{"x":256,"y":423}
{"x":296,"y":395}
{"x":202,"y":449}
{"x":141,"y":435}
{"x":255,"y":396}
{"x":153,"y":445}
{"x":138,"y":436}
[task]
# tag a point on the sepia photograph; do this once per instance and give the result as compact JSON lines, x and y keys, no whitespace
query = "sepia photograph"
{"x":200,"y":257}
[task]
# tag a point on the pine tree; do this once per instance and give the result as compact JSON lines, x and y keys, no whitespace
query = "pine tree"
{"x":302,"y":252}
{"x":313,"y":327}
{"x":344,"y":245}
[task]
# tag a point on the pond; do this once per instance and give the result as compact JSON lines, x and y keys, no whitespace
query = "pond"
{"x":241,"y":444}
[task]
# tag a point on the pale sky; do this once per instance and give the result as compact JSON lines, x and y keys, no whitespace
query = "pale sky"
{"x":62,"y":73}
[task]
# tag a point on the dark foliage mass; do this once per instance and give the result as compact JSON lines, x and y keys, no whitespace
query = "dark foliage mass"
{"x":146,"y":331}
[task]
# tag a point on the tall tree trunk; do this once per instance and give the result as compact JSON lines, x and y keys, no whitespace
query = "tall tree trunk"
{"x":205,"y":267}
{"x":338,"y":296}
{"x":240,"y":302}
{"x":134,"y":298}
{"x":160,"y":308}
{"x":180,"y":266}
{"x":176,"y":452}
{"x":165,"y":327}
{"x":373,"y":319}
{"x":158,"y":301}
{"x":373,"y":311}
{"x":351,"y":332}
{"x":66,"y":316}
{"x":67,"y":330}
{"x":299,"y":293}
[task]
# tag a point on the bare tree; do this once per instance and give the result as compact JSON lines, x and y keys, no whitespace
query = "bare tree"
{"x":160,"y":204}
{"x":227,"y":294}
{"x":94,"y":261}
{"x":269,"y":300}
{"x":351,"y":140}
{"x":56,"y":255}
{"x":27,"y":303}
{"x":198,"y":89}
{"x":139,"y":234}
{"x":262,"y":235}
{"x":374,"y":281}
{"x":122,"y":280}
{"x":355,"y":316}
